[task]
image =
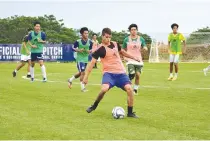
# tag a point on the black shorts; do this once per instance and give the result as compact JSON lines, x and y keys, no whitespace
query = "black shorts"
{"x":36,"y":56}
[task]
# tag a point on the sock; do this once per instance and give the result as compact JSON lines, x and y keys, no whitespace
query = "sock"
{"x":95,"y":104}
{"x":15,"y":70}
{"x":32,"y":72}
{"x":130,"y":110}
{"x":43,"y":71}
{"x":72,"y":78}
{"x":28,"y":73}
{"x":171,"y":74}
{"x":136,"y":87}
{"x":176,"y":74}
{"x":82,"y":85}
{"x":208,"y":68}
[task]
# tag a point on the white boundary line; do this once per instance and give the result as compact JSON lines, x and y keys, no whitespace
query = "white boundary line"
{"x":93,"y":84}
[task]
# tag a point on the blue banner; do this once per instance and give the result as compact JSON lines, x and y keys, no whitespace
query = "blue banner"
{"x":51,"y":52}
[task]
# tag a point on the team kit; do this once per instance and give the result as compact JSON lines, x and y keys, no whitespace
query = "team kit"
{"x":109,"y":53}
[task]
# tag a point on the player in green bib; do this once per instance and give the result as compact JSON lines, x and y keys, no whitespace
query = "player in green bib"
{"x":83,"y":48}
{"x":37,"y":39}
{"x":25,"y":52}
{"x":175,"y":40}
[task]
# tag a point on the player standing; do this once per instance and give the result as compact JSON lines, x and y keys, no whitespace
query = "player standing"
{"x":95,"y":45}
{"x":37,"y":39}
{"x":83,"y":48}
{"x":133,"y":45}
{"x":175,"y":40}
{"x":25,"y":52}
{"x":114,"y":73}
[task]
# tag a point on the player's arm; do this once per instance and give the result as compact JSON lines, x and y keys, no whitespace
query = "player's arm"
{"x":143,"y":44}
{"x":124,"y":46}
{"x":124,"y":53}
{"x":90,"y":47}
{"x":43,"y":38}
{"x":98,"y":53}
{"x":29,"y":41}
{"x":25,"y":40}
{"x":169,"y":44}
{"x":75,"y":47}
{"x":184,"y":43}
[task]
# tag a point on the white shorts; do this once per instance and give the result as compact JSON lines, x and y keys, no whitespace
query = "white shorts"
{"x":25,"y":57}
{"x":174,"y":58}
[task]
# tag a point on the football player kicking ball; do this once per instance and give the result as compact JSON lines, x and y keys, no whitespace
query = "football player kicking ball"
{"x":114,"y":73}
{"x":175,"y":40}
{"x":25,"y":56}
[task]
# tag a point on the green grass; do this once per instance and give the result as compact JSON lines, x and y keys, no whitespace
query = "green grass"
{"x":168,"y":110}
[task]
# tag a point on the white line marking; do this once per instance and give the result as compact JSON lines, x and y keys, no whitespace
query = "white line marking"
{"x":202,"y":88}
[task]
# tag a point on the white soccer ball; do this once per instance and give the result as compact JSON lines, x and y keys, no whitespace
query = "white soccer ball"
{"x":118,"y":112}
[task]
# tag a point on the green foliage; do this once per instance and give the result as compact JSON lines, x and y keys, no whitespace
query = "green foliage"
{"x":14,"y":28}
{"x":201,"y":36}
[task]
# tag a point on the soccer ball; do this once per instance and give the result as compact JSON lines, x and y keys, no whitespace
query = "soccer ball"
{"x":118,"y":112}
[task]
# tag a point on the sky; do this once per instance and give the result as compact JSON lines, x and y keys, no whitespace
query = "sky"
{"x":153,"y":17}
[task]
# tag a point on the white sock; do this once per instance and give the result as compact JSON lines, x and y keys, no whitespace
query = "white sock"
{"x":176,"y":74}
{"x":72,"y":78}
{"x":208,"y":68}
{"x":15,"y":70}
{"x":43,"y":71}
{"x":32,"y":72}
{"x":136,"y":87}
{"x":82,"y":85}
{"x":171,"y":74}
{"x":28,"y":73}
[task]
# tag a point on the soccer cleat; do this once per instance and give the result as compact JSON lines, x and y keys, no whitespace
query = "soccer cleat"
{"x":28,"y":76}
{"x":32,"y":79}
{"x":170,"y":78}
{"x":44,"y":80}
{"x":175,"y":78}
{"x":135,"y":92}
{"x":133,"y":115}
{"x":205,"y":72}
{"x":90,"y":109}
{"x":84,"y":90}
{"x":69,"y":84}
{"x":14,"y":74}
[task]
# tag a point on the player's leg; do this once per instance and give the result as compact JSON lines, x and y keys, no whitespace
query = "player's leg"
{"x":82,"y":68}
{"x":107,"y":83}
{"x":23,"y":62}
{"x":29,"y":65}
{"x":33,"y":59}
{"x":104,"y":89}
{"x":137,"y":78}
{"x":176,"y":61}
{"x":123,"y":82}
{"x":43,"y":68}
{"x":171,"y":60}
{"x":14,"y":73}
{"x":205,"y":70}
{"x":77,"y":75}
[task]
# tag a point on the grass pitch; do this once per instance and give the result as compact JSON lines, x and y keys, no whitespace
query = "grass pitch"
{"x":168,"y":110}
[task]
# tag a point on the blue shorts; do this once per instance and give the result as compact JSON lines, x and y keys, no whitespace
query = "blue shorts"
{"x":118,"y":80}
{"x":81,"y":66}
{"x":36,"y":56}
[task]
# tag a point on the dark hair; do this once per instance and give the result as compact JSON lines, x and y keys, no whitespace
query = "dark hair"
{"x":83,"y":29}
{"x":35,"y":23}
{"x":94,"y":34}
{"x":133,"y":25}
{"x":106,"y":31}
{"x":29,"y":29}
{"x":174,"y":24}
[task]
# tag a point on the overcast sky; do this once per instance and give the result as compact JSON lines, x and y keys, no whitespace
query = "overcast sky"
{"x":153,"y":17}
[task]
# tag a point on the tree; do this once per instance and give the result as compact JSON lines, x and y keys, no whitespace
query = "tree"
{"x":201,"y":36}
